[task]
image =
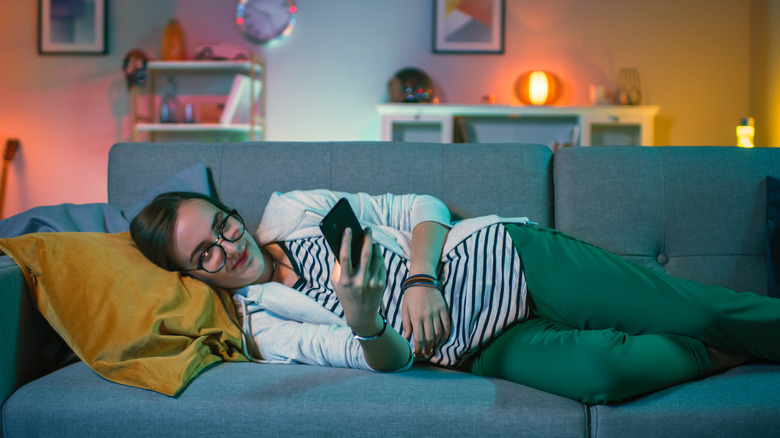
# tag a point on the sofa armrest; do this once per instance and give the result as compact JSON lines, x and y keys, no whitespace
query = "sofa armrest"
{"x":12,"y":290}
{"x":31,"y":348}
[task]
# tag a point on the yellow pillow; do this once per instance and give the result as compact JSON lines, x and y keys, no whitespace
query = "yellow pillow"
{"x":130,"y":321}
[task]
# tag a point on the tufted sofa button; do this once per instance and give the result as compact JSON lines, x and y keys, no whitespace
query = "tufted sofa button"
{"x":662,"y":259}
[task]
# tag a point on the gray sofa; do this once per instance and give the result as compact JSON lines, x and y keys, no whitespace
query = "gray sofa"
{"x":694,"y":212}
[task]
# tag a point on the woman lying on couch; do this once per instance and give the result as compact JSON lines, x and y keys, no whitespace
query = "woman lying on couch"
{"x":496,"y":297}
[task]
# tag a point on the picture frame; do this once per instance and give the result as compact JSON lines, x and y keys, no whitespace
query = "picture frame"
{"x":72,"y":27}
{"x":469,"y":26}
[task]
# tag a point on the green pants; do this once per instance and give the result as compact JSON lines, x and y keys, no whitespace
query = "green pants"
{"x":602,"y":328}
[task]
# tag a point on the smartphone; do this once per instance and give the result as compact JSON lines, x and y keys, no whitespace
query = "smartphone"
{"x":338,"y":219}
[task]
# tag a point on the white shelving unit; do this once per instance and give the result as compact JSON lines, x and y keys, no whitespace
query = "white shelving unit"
{"x":219,"y":70}
{"x":572,"y":125}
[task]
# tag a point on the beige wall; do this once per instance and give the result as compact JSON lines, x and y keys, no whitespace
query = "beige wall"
{"x":324,"y":82}
{"x":765,"y":70}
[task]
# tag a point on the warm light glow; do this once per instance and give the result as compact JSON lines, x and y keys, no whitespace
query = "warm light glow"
{"x":745,"y":136}
{"x":538,"y":88}
{"x":745,"y":133}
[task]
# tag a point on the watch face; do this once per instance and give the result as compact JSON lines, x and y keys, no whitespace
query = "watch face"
{"x":264,"y":20}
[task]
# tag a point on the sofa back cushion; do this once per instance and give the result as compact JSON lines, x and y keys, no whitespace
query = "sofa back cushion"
{"x":694,"y":212}
{"x":472,"y":179}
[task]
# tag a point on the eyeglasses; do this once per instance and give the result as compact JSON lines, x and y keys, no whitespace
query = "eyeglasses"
{"x":213,"y":258}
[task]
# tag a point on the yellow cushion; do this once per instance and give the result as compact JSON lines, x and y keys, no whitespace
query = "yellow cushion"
{"x":130,"y":321}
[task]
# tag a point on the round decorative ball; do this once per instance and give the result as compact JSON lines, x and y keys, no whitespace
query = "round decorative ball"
{"x":410,"y":85}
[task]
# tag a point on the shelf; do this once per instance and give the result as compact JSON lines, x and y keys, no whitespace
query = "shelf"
{"x":196,"y":127}
{"x":220,"y":66}
{"x":205,"y":81}
{"x":511,"y":110}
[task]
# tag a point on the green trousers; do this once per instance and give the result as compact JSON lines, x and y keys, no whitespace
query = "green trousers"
{"x":602,"y":328}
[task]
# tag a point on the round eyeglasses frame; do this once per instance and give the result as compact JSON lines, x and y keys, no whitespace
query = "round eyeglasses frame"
{"x":217,"y":245}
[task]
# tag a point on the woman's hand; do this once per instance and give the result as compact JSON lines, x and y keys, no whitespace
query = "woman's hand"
{"x":425,"y":316}
{"x":424,"y":310}
{"x":360,"y":293}
{"x":360,"y":288}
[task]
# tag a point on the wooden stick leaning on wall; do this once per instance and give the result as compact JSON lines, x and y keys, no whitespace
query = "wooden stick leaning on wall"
{"x":11,"y":148}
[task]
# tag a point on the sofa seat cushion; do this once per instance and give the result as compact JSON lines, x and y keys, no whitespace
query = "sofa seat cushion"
{"x":742,"y":402}
{"x":250,"y":399}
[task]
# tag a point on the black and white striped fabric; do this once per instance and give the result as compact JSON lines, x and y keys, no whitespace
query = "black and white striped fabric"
{"x":484,"y":287}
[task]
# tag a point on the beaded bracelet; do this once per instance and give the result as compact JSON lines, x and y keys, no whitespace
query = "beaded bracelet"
{"x":422,"y":280}
{"x":371,"y":338}
{"x":421,"y":276}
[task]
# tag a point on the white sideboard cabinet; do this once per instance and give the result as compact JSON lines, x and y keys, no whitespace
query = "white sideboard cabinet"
{"x":551,"y":125}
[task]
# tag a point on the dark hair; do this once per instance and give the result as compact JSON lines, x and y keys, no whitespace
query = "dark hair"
{"x":152,"y":228}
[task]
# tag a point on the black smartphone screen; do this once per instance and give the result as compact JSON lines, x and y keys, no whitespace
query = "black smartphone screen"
{"x":338,"y":219}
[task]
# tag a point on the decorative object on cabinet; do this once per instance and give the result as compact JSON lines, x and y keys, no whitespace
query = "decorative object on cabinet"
{"x":578,"y":126}
{"x":468,"y":26}
{"x":72,"y":27}
{"x":134,"y":67}
{"x":204,"y":109}
{"x":170,"y":107}
{"x":538,"y":87}
{"x":411,"y":85}
{"x":746,"y":132}
{"x":173,"y":46}
{"x":597,"y":94}
{"x":220,"y":51}
{"x":266,"y":21}
{"x":629,"y":90}
{"x":210,"y":112}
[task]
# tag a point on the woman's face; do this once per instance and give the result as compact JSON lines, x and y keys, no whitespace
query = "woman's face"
{"x":196,"y":228}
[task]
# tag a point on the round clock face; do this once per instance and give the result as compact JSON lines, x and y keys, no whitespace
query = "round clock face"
{"x":262,"y":21}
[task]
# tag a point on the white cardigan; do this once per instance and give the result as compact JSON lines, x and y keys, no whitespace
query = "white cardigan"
{"x":288,"y":326}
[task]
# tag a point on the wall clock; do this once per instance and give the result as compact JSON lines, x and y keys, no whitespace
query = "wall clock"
{"x":263,"y":21}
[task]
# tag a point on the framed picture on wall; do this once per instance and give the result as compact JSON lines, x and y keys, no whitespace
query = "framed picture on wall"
{"x":468,"y":26}
{"x":72,"y":27}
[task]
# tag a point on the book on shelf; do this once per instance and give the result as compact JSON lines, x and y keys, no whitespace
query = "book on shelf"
{"x":239,"y":100}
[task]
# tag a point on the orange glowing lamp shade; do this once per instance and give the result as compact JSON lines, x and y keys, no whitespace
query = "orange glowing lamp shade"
{"x":538,"y":88}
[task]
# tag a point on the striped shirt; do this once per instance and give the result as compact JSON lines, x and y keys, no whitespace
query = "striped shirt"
{"x":484,"y":287}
